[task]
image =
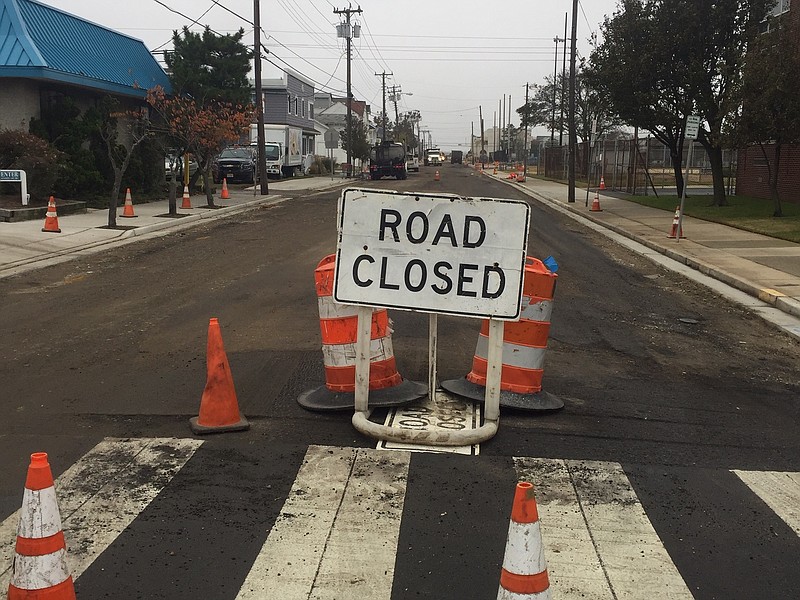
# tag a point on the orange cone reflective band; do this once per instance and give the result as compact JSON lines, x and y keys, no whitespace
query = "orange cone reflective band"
{"x":596,"y":203}
{"x":338,"y":324}
{"x":187,"y":201}
{"x":51,"y":218}
{"x":219,"y":408}
{"x":602,"y":183}
{"x":128,"y":210}
{"x":40,"y":566}
{"x":225,"y":195}
{"x":676,"y":225}
{"x":524,"y":348}
{"x":524,"y":574}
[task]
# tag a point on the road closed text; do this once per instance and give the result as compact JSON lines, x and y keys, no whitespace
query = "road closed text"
{"x":431,"y":253}
{"x":391,"y":272}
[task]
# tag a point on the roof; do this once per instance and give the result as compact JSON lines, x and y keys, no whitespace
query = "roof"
{"x":43,"y":43}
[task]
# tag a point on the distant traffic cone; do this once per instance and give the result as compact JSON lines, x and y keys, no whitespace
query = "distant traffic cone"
{"x":676,"y":224}
{"x":219,"y":408}
{"x":225,"y":195}
{"x":40,"y":569}
{"x":436,"y":176}
{"x":524,"y":573}
{"x":51,"y":218}
{"x":187,"y":201}
{"x":128,"y":210}
{"x":596,"y":203}
{"x":602,"y":183}
{"x":494,"y":171}
{"x":521,"y":177}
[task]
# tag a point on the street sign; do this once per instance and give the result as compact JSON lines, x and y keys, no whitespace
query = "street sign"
{"x":692,"y":126}
{"x":431,"y":253}
{"x":331,"y":139}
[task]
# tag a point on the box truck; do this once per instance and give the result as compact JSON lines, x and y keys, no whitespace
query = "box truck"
{"x":282,"y":149}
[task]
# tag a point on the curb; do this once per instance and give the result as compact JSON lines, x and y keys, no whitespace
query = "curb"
{"x":778,"y":300}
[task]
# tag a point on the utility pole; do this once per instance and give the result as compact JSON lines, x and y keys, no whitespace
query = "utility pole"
{"x":483,"y":139}
{"x":525,"y":147}
{"x":262,"y":160}
{"x":394,"y":96}
{"x":383,"y":114}
{"x":563,"y":77}
{"x":346,"y":31}
{"x":573,"y":133}
{"x":555,"y":87}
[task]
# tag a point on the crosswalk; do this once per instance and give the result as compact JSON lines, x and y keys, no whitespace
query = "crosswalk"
{"x":351,"y":520}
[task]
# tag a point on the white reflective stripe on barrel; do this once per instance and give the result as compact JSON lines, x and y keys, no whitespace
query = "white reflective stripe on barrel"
{"x":344,"y":355}
{"x":39,"y":572}
{"x":522,"y":557}
{"x":330,"y":309}
{"x":514,"y":355}
{"x":536,"y":311}
{"x":40,"y":517}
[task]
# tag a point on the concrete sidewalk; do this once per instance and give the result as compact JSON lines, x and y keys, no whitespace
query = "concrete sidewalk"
{"x":763,"y":267}
{"x":24,"y":246}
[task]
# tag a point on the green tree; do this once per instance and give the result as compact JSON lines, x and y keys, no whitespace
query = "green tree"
{"x":360,"y":146}
{"x":209,"y":67}
{"x":662,"y":60}
{"x":769,"y":115}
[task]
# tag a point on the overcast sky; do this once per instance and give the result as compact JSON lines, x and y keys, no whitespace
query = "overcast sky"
{"x":449,"y":57}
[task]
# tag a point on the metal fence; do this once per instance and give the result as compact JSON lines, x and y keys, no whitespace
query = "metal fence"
{"x":637,"y":166}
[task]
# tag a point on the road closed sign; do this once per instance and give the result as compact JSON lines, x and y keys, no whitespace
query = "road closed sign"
{"x":431,"y":253}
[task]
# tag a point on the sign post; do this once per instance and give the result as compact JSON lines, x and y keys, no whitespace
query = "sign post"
{"x":692,"y":129}
{"x":17,"y":176}
{"x":439,"y":254}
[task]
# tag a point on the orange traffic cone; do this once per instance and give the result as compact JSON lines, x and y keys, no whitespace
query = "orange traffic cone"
{"x":596,"y":203}
{"x":225,"y":195}
{"x":51,"y":218}
{"x":187,"y":201}
{"x":338,"y":324}
{"x":436,"y":176}
{"x":219,"y":408}
{"x":602,"y":183}
{"x":676,"y":224}
{"x":521,"y":177}
{"x":524,"y":573}
{"x":494,"y":171}
{"x":40,"y":569}
{"x":128,"y":210}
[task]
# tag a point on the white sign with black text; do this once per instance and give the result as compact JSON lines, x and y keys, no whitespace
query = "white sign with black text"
{"x":431,"y":253}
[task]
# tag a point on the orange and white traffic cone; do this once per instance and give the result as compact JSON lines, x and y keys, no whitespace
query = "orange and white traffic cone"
{"x":128,"y":210}
{"x":524,"y":573}
{"x":494,"y":171}
{"x":225,"y":195}
{"x":187,"y":201}
{"x":602,"y":183}
{"x":51,"y":218}
{"x":219,"y":408}
{"x":521,"y":177}
{"x":436,"y":176}
{"x":676,"y":225}
{"x":596,"y":203}
{"x":338,"y":324}
{"x":40,"y":567}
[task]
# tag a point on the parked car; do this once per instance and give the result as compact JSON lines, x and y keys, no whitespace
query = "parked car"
{"x":174,"y":163}
{"x":236,"y":164}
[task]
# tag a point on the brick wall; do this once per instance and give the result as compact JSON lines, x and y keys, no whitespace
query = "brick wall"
{"x":752,"y":177}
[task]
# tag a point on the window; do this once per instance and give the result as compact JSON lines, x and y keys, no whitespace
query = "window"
{"x":310,"y":110}
{"x":297,"y":106}
{"x":289,"y":106}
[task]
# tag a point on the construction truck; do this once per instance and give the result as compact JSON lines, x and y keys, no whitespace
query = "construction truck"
{"x":433,"y":157}
{"x":388,"y":159}
{"x":456,"y":157}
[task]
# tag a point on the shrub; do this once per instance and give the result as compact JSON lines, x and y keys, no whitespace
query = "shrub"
{"x":41,"y":162}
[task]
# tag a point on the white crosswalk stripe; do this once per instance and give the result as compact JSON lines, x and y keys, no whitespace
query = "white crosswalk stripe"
{"x":337,"y":534}
{"x":598,"y":540}
{"x":779,"y":490}
{"x":102,"y":493}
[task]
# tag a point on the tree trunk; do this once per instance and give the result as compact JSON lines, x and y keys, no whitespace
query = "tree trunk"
{"x":677,"y":168}
{"x":717,"y":175}
{"x":773,"y":181}
{"x":173,"y":202}
{"x":208,"y":190}
{"x":112,"y":203}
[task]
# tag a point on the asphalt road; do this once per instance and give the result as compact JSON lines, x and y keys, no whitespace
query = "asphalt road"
{"x":657,"y":374}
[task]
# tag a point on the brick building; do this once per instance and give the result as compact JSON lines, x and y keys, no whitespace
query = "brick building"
{"x":752,"y":175}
